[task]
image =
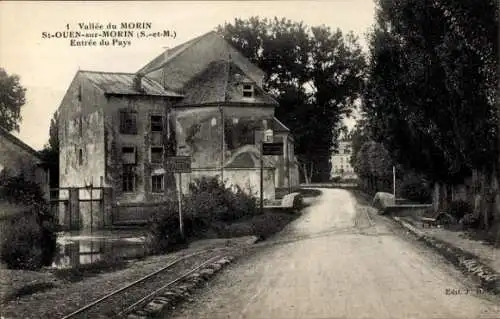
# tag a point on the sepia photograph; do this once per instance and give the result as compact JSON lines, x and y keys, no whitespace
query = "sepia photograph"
{"x":324,"y":159}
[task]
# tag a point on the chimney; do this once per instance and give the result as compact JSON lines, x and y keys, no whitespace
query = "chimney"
{"x":138,"y":82}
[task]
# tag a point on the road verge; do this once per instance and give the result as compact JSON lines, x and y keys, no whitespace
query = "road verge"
{"x":468,"y":263}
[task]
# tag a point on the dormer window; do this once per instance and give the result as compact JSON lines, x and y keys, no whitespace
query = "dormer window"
{"x":247,"y":90}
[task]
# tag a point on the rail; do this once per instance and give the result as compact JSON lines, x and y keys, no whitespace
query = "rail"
{"x":86,"y":310}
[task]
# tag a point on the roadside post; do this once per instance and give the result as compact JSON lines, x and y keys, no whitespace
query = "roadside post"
{"x":394,"y":181}
{"x":179,"y":165}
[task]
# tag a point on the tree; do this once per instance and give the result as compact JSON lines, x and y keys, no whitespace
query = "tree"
{"x":12,"y":98}
{"x":359,"y":136}
{"x":50,"y":152}
{"x":429,"y":96}
{"x":314,"y":73}
{"x":373,"y":165}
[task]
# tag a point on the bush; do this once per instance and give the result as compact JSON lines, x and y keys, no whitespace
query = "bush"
{"x":28,"y":243}
{"x":15,"y":189}
{"x":207,"y":207}
{"x":210,"y":200}
{"x":164,"y":230}
{"x":459,"y":209}
{"x":414,"y":188}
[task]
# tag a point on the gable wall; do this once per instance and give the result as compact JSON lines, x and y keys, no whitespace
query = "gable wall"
{"x":90,"y":111}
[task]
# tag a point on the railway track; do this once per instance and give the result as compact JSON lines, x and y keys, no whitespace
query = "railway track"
{"x":132,"y":296}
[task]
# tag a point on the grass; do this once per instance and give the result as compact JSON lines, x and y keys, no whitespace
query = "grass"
{"x":362,"y":197}
{"x":262,"y":226}
{"x":28,"y":289}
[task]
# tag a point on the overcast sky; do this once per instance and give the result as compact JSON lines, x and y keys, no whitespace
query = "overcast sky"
{"x":47,"y":66}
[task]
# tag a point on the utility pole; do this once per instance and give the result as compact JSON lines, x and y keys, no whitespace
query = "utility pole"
{"x":179,"y":199}
{"x":261,"y":177}
{"x":223,"y":141}
{"x":394,"y":181}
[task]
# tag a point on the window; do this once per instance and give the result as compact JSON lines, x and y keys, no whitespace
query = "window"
{"x":213,"y":122}
{"x":157,"y":183}
{"x":347,"y":151}
{"x":80,"y":157}
{"x":156,"y":154}
{"x":128,"y":155}
{"x":128,"y":178}
{"x":247,"y":90}
{"x":156,"y":123}
{"x":128,"y":122}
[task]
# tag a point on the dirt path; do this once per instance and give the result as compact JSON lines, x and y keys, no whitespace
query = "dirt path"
{"x":344,"y":263}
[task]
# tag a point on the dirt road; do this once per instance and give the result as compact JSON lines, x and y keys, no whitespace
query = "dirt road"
{"x":337,"y":261}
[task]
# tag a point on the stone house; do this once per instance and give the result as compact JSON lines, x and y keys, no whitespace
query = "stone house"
{"x":17,"y":158}
{"x":202,"y":99}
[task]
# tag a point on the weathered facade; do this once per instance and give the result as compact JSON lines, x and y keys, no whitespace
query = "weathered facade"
{"x":202,"y":99}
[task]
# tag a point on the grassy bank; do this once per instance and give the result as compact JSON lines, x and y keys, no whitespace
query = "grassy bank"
{"x":262,"y":226}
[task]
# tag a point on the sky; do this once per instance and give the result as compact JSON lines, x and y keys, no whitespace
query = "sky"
{"x":47,"y":66}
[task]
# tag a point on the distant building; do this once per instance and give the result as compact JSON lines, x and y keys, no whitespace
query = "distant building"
{"x":341,"y":161}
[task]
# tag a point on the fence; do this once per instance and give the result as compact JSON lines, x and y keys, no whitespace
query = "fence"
{"x":81,"y":207}
{"x":136,"y":213}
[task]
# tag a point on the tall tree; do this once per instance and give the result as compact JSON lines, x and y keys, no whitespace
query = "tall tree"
{"x":12,"y":98}
{"x":315,"y":74}
{"x":429,"y":97}
{"x":50,"y":152}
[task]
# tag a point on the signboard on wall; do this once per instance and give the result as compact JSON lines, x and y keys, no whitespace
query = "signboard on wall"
{"x":272,"y":149}
{"x":178,"y":164}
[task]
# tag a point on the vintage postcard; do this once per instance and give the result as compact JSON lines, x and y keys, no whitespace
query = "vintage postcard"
{"x":249,"y":159}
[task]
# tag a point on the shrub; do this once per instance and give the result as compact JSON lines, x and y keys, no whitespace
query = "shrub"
{"x":15,"y":189}
{"x":164,"y":230}
{"x":415,"y":188}
{"x":210,"y":200}
{"x":459,"y":209}
{"x":206,"y":208}
{"x":470,"y":221}
{"x":28,"y":243}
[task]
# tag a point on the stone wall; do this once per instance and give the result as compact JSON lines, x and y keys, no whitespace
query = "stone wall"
{"x":81,"y":135}
{"x":481,"y":190}
{"x":247,"y":178}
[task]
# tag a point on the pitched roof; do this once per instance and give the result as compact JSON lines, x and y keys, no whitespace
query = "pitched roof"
{"x":18,"y":142}
{"x":123,"y":84}
{"x":177,"y":66}
{"x":278,"y":126}
{"x":220,"y":82}
{"x":169,"y":54}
